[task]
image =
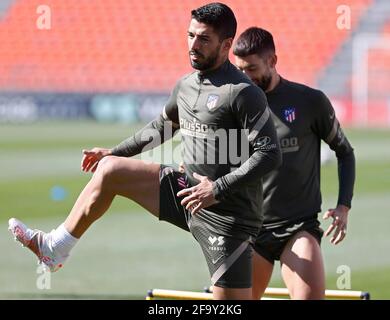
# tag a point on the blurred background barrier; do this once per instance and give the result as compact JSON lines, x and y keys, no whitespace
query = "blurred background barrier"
{"x":132,"y":47}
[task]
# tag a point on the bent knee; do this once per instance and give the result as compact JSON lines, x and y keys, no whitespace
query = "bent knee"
{"x":119,"y":167}
{"x":112,"y":166}
{"x":107,"y":165}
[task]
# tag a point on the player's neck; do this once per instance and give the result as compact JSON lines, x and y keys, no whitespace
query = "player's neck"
{"x":274,"y":82}
{"x":218,"y":65}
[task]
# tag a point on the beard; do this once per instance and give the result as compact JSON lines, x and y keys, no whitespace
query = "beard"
{"x":264,"y":82}
{"x":206,"y":63}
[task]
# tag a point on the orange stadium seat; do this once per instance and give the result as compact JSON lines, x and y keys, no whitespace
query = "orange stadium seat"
{"x":126,"y":45}
{"x":379,"y":68}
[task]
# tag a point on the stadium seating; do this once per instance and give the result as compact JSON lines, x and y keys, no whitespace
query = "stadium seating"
{"x":379,"y":70}
{"x":94,"y":46}
{"x":378,"y":80}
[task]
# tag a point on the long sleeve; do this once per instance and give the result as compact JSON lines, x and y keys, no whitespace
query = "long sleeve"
{"x":253,"y":114}
{"x":154,"y":133}
{"x":329,"y":129}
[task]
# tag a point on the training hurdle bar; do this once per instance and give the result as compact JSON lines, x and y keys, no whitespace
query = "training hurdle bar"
{"x":184,"y":295}
{"x":270,"y":294}
{"x":176,"y":294}
{"x":329,"y":294}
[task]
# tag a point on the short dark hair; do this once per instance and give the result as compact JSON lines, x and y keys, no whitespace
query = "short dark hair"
{"x":254,"y":40}
{"x":219,"y":16}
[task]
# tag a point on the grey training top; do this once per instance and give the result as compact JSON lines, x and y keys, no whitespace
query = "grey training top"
{"x":227,"y":135}
{"x":303,"y":116}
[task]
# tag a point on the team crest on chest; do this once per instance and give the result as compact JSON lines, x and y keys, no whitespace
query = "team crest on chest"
{"x":289,"y":114}
{"x":212,"y":101}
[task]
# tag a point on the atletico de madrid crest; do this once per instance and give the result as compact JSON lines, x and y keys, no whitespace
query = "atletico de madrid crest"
{"x":289,"y":114}
{"x":212,"y":101}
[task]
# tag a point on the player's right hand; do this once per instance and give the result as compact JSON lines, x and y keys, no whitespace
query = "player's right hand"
{"x":92,"y":157}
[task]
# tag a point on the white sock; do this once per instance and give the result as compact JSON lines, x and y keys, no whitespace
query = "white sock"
{"x":61,"y":241}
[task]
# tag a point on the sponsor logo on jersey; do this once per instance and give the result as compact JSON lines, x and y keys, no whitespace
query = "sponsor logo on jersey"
{"x":212,"y":101}
{"x":263,"y":143}
{"x":289,"y":144}
{"x":194,"y":125}
{"x":289,"y":114}
{"x":220,"y":240}
{"x":216,"y":243}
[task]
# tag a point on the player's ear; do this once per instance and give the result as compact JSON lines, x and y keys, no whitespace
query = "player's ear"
{"x":227,"y":44}
{"x":273,"y":59}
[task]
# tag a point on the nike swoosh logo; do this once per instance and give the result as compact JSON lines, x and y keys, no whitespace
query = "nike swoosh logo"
{"x":214,"y":261}
{"x":289,"y":231}
{"x":281,"y":235}
{"x":294,"y":227}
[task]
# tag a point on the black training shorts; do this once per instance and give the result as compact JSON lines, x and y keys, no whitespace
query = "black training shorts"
{"x":271,"y":241}
{"x":228,"y":257}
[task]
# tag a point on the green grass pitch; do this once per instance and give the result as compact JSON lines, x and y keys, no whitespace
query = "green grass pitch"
{"x":128,"y":251}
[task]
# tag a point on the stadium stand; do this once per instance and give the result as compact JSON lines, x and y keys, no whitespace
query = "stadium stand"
{"x":379,"y":66}
{"x":139,"y":48}
{"x":141,"y":45}
{"x":378,"y":79}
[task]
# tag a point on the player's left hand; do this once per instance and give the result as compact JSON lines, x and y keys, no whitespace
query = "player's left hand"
{"x":339,"y":224}
{"x":198,"y":197}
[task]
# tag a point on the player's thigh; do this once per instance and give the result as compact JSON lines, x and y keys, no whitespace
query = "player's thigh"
{"x":228,"y":252}
{"x":134,"y":179}
{"x":231,"y":272}
{"x":303,"y":268}
{"x":261,"y":275}
{"x":231,"y":293}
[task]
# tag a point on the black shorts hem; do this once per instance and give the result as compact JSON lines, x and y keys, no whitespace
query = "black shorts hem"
{"x":239,"y":285}
{"x":273,"y":247}
{"x":265,"y":254}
